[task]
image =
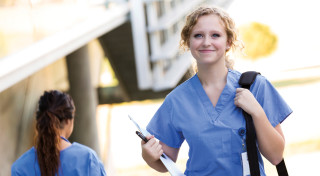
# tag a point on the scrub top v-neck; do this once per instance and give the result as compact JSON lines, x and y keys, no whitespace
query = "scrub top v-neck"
{"x":214,"y":134}
{"x":225,"y":97}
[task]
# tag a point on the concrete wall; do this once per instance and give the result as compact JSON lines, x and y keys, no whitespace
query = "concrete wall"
{"x":17,"y":109}
{"x":18,"y":105}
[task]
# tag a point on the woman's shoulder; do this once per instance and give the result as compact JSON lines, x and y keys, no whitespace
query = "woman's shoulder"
{"x":25,"y":160}
{"x":25,"y":157}
{"x":260,"y":79}
{"x":87,"y":161}
{"x":181,"y":88}
{"x":77,"y":147}
{"x":79,"y":150}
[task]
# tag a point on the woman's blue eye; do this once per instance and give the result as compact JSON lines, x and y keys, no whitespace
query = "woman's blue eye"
{"x":197,"y":35}
{"x":215,"y":35}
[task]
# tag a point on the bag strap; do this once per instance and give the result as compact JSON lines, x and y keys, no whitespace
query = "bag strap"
{"x":246,"y":79}
{"x":282,"y":169}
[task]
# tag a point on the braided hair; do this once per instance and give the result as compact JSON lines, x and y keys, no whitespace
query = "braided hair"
{"x":54,"y":108}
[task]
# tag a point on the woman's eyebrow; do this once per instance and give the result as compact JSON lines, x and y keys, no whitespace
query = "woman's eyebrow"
{"x":211,"y":31}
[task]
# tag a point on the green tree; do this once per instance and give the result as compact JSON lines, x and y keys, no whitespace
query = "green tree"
{"x":259,"y":40}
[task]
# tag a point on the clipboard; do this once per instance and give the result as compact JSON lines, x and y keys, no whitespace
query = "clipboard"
{"x":167,"y":162}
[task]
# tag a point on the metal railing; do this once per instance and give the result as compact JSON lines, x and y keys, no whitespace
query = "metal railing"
{"x":20,"y":65}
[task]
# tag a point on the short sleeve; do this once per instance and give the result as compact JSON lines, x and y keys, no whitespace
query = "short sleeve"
{"x":162,"y":127}
{"x":14,"y":171}
{"x":96,"y":166}
{"x":26,"y":164}
{"x":271,"y":101}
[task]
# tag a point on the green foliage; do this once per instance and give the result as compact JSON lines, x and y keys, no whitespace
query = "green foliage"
{"x":259,"y":40}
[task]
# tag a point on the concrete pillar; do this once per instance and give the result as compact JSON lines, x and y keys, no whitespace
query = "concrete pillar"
{"x":85,"y":98}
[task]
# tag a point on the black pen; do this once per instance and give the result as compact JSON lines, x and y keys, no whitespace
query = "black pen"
{"x":145,"y":139}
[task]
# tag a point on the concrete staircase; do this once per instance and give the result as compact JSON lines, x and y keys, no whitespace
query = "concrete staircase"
{"x":144,"y":52}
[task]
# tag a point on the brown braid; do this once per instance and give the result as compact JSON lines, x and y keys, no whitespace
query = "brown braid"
{"x":54,"y":108}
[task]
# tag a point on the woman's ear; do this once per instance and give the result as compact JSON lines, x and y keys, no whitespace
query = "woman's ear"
{"x":65,"y":123}
{"x":68,"y":121}
{"x":228,"y":46}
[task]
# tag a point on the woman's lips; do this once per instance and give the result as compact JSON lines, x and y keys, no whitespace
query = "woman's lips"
{"x":206,"y":51}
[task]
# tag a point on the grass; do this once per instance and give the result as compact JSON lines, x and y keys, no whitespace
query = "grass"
{"x":308,"y":146}
{"x":295,"y":82}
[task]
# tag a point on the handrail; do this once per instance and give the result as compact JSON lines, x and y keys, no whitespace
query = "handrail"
{"x":174,"y":16}
{"x":24,"y":63}
{"x":168,"y":50}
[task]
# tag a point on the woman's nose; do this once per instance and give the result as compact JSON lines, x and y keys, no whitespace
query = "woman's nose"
{"x":206,"y":41}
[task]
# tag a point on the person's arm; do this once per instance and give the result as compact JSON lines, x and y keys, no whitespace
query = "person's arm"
{"x":152,"y":151}
{"x":270,"y":139}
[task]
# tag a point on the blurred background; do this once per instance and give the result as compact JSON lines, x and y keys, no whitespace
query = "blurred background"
{"x":120,"y":57}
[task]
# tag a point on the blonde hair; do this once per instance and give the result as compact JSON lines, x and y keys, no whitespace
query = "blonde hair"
{"x":230,"y":28}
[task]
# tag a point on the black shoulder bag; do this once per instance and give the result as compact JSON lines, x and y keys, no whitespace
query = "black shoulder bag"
{"x":245,"y":81}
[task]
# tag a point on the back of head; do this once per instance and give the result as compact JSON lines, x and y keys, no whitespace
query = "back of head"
{"x":54,"y":108}
{"x":230,"y":28}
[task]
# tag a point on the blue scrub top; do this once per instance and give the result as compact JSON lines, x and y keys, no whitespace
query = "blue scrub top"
{"x":213,"y":133}
{"x":77,"y":159}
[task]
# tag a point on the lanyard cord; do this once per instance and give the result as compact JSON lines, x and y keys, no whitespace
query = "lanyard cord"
{"x":64,"y":139}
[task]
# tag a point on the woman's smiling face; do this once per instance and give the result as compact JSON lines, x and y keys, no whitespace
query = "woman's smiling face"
{"x":208,"y":40}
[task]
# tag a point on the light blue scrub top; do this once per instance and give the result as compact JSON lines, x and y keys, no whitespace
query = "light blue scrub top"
{"x":212,"y":133}
{"x":77,"y":159}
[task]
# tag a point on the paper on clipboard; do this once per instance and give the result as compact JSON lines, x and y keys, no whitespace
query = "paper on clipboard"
{"x":168,"y":163}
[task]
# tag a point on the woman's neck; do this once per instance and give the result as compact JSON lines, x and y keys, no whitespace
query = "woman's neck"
{"x":213,"y":76}
{"x":64,"y":143}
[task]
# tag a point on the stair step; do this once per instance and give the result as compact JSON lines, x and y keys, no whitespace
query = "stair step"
{"x":168,"y":50}
{"x":176,"y":14}
{"x":172,"y":76}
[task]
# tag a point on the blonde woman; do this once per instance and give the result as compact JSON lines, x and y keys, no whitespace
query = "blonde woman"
{"x":206,"y":110}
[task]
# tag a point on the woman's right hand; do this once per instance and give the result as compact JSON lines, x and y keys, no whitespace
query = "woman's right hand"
{"x":152,"y":150}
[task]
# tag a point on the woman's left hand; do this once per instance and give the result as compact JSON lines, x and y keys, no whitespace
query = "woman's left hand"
{"x":244,"y":99}
{"x":271,"y":140}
